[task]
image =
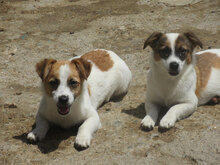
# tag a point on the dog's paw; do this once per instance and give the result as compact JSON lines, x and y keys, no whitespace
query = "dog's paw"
{"x":31,"y":137}
{"x":82,"y":141}
{"x":147,"y":123}
{"x":167,"y":121}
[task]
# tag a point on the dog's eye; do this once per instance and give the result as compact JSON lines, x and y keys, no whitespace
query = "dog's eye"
{"x":54,"y":83}
{"x":165,"y":52}
{"x":73,"y":83}
{"x":182,"y":53}
{"x":182,"y":50}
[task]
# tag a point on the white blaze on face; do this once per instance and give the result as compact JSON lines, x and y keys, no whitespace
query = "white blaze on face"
{"x":172,"y":37}
{"x":63,"y":88}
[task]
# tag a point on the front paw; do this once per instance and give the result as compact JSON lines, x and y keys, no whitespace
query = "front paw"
{"x":82,"y":141}
{"x":32,"y":138}
{"x":167,"y":121}
{"x":147,"y":123}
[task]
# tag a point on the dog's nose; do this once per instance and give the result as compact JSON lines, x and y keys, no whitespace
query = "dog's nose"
{"x":174,"y":65}
{"x":63,"y":99}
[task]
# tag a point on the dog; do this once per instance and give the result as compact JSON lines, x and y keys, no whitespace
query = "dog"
{"x":178,"y":79}
{"x":75,"y":88}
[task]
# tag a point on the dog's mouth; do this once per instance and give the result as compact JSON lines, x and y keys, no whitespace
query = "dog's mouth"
{"x":173,"y":72}
{"x":63,"y":109}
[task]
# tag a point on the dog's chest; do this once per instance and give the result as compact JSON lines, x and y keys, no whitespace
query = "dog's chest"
{"x":168,"y":92}
{"x":165,"y":94}
{"x":75,"y":116}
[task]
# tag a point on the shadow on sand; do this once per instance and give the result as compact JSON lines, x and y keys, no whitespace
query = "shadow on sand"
{"x":52,"y":140}
{"x":139,"y":112}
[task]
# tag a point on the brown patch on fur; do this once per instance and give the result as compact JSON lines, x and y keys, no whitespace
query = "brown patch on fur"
{"x":100,"y":58}
{"x":157,"y":56}
{"x":89,"y":90}
{"x":76,"y":76}
{"x":203,"y":67}
{"x":183,"y":42}
{"x":157,"y":41}
{"x":193,"y":40}
{"x":152,"y":39}
{"x":83,"y":66}
{"x":53,"y":75}
{"x":43,"y":67}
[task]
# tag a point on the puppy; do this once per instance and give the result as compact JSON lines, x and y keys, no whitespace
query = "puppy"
{"x":74,"y":89}
{"x":175,"y":81}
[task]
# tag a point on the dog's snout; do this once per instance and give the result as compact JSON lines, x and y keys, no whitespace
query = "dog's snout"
{"x":174,"y":65}
{"x":63,"y":99}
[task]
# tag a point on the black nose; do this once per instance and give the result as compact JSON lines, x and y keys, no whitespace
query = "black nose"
{"x":174,"y":65}
{"x":63,"y":99}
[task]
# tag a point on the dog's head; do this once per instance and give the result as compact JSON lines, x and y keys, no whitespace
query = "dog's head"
{"x":63,"y":80}
{"x":173,"y":51}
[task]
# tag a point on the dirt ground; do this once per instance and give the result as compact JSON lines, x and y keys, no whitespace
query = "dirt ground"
{"x":31,"y":30}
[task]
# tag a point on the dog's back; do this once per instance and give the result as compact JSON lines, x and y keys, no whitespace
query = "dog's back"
{"x":109,"y":77}
{"x":208,"y":75}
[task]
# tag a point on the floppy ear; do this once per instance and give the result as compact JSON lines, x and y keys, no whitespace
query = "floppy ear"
{"x":193,"y":39}
{"x":152,"y":39}
{"x":43,"y":67}
{"x":84,"y":67}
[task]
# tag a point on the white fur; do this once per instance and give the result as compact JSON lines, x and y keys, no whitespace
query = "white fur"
{"x":175,"y":93}
{"x":103,"y":86}
{"x":62,"y":89}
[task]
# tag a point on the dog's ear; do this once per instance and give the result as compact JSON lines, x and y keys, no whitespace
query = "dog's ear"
{"x":43,"y":67}
{"x":84,"y":67}
{"x":152,"y":39}
{"x":193,"y":39}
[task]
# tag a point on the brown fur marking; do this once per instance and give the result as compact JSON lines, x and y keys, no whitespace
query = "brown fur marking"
{"x":183,"y":42}
{"x":89,"y":90}
{"x":203,"y":67}
{"x":83,"y":67}
{"x":161,"y":43}
{"x":100,"y":58}
{"x":43,"y":67}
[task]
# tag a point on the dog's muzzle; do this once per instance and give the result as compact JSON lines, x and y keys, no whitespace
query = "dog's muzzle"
{"x":63,"y":107}
{"x":174,"y":69}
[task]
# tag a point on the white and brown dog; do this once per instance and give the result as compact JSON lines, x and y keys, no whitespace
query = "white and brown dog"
{"x":74,"y":89}
{"x":178,"y":79}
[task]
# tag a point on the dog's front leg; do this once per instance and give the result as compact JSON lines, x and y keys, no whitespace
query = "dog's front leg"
{"x":177,"y":112}
{"x":86,"y":130}
{"x":40,"y":131}
{"x":150,"y":119}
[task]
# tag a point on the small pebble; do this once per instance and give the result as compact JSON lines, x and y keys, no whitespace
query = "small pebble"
{"x":18,"y":93}
{"x":10,"y":106}
{"x":155,"y":135}
{"x":146,"y":154}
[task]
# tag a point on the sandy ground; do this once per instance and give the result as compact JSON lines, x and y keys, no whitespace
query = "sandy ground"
{"x":34,"y":29}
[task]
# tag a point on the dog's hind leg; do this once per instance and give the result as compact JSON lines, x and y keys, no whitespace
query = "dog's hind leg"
{"x":40,"y":131}
{"x":215,"y":100}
